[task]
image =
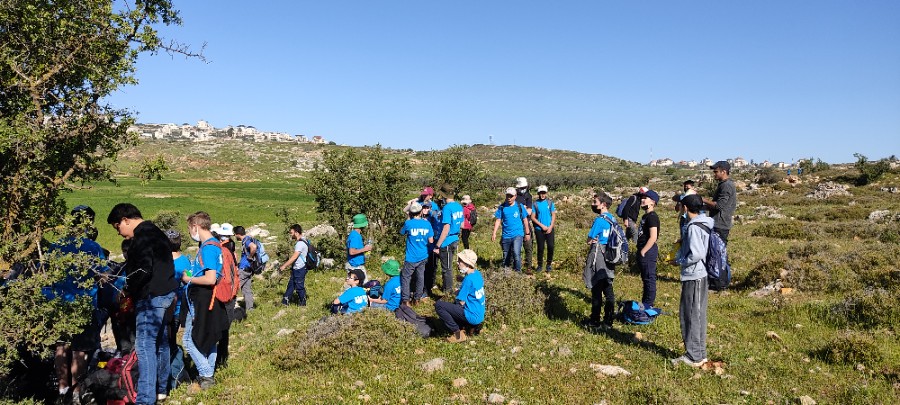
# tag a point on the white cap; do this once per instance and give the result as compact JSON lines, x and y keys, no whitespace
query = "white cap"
{"x":542,"y":189}
{"x":466,"y":199}
{"x":521,"y":182}
{"x":415,"y":207}
{"x":215,"y":228}
{"x":510,"y":191}
{"x":227,"y":230}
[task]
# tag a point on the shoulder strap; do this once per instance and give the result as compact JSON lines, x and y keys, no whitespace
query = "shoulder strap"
{"x":200,"y":256}
{"x":702,"y":226}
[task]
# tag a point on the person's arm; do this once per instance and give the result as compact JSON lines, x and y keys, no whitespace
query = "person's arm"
{"x":290,"y":261}
{"x":445,"y":231}
{"x":552,"y":221}
{"x":650,"y":241}
{"x":527,"y":229}
{"x":496,"y":227}
{"x":364,"y":249}
{"x":208,"y":278}
{"x":252,"y":249}
{"x":377,"y":300}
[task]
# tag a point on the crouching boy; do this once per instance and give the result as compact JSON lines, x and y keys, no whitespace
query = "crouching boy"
{"x":468,"y":311}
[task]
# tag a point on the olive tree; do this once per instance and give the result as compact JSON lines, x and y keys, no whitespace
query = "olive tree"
{"x":59,"y":62}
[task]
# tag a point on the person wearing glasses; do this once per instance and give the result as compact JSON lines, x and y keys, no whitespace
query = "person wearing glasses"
{"x":354,"y":299}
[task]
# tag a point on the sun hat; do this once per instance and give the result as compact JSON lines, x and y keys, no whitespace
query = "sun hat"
{"x":469,"y":257}
{"x":226,"y":230}
{"x":447,"y":191}
{"x":415,"y":207}
{"x":360,"y":221}
{"x":215,"y":228}
{"x":466,"y":199}
{"x":510,"y":191}
{"x":542,"y":189}
{"x":521,"y":182}
{"x":391,"y":267}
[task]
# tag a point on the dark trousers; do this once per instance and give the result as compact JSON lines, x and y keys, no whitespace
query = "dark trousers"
{"x":430,"y":269}
{"x":297,"y":284}
{"x":222,"y":345}
{"x":447,"y":255}
{"x":528,"y":247}
{"x":465,"y":237}
{"x":453,"y":315}
{"x":648,"y":275}
{"x":545,"y":239}
{"x":603,"y":288}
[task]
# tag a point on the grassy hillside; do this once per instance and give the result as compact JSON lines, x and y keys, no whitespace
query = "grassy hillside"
{"x":831,"y":335}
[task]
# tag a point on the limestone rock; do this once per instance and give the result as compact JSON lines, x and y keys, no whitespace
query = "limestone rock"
{"x":320,"y":230}
{"x":611,"y":371}
{"x":433,"y":365}
{"x":806,"y":400}
{"x":829,"y":189}
{"x":496,"y":398}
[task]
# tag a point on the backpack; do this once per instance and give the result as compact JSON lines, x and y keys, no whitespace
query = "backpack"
{"x":473,"y":217}
{"x":617,"y":244}
{"x":226,"y":287}
{"x":717,"y":268}
{"x":635,"y":313}
{"x":620,"y":210}
{"x":374,"y":289}
{"x":128,"y":376}
{"x":259,"y":263}
{"x":313,"y":257}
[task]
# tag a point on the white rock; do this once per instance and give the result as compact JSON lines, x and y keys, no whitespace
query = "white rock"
{"x":496,"y":398}
{"x":433,"y":365}
{"x":806,"y":400}
{"x":284,"y":331}
{"x":611,"y":371}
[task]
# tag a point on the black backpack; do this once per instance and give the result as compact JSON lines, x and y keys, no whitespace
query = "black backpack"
{"x":313,"y":257}
{"x":473,"y":217}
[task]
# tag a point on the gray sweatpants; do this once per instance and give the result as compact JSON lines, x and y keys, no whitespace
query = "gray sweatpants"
{"x":694,"y":299}
{"x":246,"y":278}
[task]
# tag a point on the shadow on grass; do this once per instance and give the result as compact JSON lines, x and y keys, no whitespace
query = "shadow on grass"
{"x":556,"y":309}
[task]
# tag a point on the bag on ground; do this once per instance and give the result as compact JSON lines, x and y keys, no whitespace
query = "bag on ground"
{"x":635,"y":313}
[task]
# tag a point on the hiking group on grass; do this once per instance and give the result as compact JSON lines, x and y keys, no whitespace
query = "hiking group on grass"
{"x":158,"y":289}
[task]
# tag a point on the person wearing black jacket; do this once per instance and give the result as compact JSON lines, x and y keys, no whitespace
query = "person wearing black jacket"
{"x":150,"y":282}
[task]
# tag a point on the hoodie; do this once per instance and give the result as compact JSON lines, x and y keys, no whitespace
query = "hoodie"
{"x":694,"y":244}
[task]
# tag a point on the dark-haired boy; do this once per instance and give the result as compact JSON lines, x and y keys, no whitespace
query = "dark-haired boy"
{"x":648,"y":250}
{"x":354,"y":299}
{"x":694,"y":282}
{"x":602,"y":280}
{"x":297,"y":262}
{"x":245,"y":266}
{"x":150,"y":280}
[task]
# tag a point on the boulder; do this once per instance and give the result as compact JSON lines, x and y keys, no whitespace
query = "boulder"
{"x":829,"y":189}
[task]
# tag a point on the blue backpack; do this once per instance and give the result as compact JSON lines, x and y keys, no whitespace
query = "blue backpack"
{"x":617,"y":244}
{"x":717,"y":268}
{"x":635,"y":313}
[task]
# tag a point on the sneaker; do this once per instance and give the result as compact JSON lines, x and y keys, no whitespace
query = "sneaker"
{"x":590,"y":323}
{"x":684,"y":359}
{"x":458,"y":337}
{"x":161,"y":397}
{"x":207,"y":383}
{"x":285,"y":302}
{"x":549,"y":268}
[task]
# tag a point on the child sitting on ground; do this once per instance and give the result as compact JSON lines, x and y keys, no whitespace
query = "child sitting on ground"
{"x":354,"y":299}
{"x":390,"y":296}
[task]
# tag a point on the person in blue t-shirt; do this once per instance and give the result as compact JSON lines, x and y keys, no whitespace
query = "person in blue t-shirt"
{"x":543,"y":214}
{"x":204,"y":325}
{"x":182,"y":264}
{"x":354,"y":299}
{"x":356,"y":249}
{"x":513,"y":216}
{"x":468,"y":310}
{"x":431,"y":211}
{"x":391,"y":292}
{"x":419,"y":236}
{"x":601,"y":278}
{"x":448,"y":238}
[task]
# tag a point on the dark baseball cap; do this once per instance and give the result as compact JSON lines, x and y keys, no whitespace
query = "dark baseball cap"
{"x":652,"y":195}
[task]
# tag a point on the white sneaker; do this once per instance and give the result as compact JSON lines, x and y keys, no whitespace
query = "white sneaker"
{"x":161,"y":397}
{"x":684,"y":359}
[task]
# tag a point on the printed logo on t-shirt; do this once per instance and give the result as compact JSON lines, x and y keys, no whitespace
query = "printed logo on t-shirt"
{"x":360,"y":299}
{"x":479,"y":294}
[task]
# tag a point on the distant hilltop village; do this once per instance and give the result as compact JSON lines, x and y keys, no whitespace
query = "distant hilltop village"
{"x":203,"y":131}
{"x":735,"y":163}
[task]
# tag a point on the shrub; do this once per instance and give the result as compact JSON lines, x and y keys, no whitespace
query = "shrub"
{"x":889,"y":236}
{"x":769,"y":175}
{"x":783,"y":230}
{"x":847,"y":213}
{"x":337,"y":341}
{"x":806,"y":250}
{"x":870,"y":171}
{"x":850,"y":347}
{"x":767,"y":271}
{"x":511,"y":297}
{"x":867,"y":309}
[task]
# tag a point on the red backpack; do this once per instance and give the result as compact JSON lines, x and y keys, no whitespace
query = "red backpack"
{"x":226,"y":287}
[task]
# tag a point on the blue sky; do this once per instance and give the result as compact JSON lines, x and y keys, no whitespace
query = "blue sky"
{"x":764,"y":80}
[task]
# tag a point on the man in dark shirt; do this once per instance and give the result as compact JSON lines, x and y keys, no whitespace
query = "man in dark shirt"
{"x":150,"y":281}
{"x":524,"y":197}
{"x":724,"y":201}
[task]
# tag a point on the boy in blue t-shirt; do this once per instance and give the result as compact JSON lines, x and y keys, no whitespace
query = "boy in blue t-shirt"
{"x":448,"y":238}
{"x":390,"y":296}
{"x":354,"y":299}
{"x":543,"y":214}
{"x":419,"y":236}
{"x":514,"y":218}
{"x":600,"y":280}
{"x":356,"y":249}
{"x":468,"y":311}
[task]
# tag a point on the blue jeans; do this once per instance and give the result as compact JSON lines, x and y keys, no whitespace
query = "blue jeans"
{"x":206,"y":365}
{"x":512,"y":252}
{"x":152,"y":347}
{"x":297,"y":283}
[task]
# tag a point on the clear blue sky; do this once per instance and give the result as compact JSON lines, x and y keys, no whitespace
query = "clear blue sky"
{"x":776,"y":80}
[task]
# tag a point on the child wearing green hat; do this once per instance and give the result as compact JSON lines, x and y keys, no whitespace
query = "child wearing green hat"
{"x":391,"y":295}
{"x":356,"y":249}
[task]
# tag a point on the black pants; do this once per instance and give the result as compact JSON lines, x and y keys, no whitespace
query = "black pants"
{"x":648,"y":275}
{"x":603,"y":288}
{"x":527,"y":247}
{"x":465,"y":237}
{"x":453,"y":315}
{"x":447,"y":256}
{"x":550,"y":241}
{"x":430,"y":269}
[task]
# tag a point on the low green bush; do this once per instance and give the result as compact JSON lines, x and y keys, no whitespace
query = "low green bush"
{"x":851,"y":347}
{"x":805,"y":250}
{"x":783,"y":230}
{"x":511,"y":297}
{"x":765,"y":272}
{"x":337,"y":341}
{"x":867,"y":309}
{"x":847,"y":213}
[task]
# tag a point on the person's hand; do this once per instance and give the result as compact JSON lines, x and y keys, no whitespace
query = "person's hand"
{"x":437,"y":250}
{"x":527,"y":237}
{"x":549,"y":230}
{"x":494,"y":237}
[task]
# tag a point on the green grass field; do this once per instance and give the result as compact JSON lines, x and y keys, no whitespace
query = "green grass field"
{"x":547,"y":358}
